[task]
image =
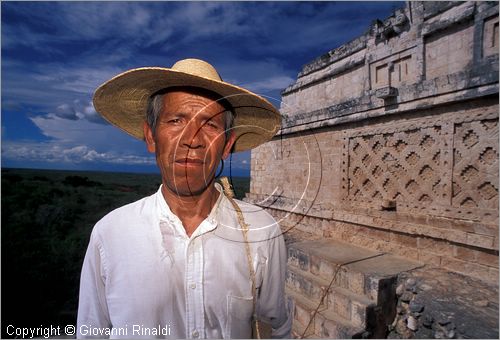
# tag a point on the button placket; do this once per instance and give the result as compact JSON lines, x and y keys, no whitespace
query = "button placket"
{"x":194,"y":295}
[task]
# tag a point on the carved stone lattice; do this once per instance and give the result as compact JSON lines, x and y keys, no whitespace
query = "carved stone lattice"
{"x":399,"y":166}
{"x":410,"y":166}
{"x":475,"y":165}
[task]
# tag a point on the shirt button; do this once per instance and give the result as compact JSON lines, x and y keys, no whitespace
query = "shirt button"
{"x":195,"y":334}
{"x":192,"y":285}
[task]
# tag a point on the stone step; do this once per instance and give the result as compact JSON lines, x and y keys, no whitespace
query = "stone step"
{"x":303,"y":311}
{"x":325,"y":323}
{"x":350,"y":306}
{"x":363,"y":293}
{"x":329,"y":326}
{"x":323,"y":257}
{"x":363,"y":271}
{"x":298,"y":332}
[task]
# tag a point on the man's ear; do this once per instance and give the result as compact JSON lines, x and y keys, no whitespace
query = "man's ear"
{"x":148,"y":137}
{"x":229,"y":145}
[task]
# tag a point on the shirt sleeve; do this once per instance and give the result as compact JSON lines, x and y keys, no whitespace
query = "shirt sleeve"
{"x":273,"y":306}
{"x":92,"y":307}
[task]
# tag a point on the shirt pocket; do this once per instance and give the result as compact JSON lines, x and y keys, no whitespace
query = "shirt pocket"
{"x":239,"y":317}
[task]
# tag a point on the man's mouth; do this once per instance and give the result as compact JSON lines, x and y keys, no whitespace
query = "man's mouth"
{"x":190,"y":161}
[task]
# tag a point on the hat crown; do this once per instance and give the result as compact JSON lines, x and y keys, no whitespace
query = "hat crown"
{"x":197,"y":67}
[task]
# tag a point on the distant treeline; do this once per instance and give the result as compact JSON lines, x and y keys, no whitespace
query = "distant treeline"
{"x":47,"y":218}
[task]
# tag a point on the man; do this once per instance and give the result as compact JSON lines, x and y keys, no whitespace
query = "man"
{"x":188,"y":261}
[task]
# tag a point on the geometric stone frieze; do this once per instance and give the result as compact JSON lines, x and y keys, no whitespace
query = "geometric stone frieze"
{"x":406,"y":165}
{"x":475,"y":165}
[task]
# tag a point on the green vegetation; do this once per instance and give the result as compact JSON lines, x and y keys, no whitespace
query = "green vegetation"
{"x":47,"y":218}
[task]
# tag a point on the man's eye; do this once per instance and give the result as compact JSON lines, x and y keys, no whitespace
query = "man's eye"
{"x":174,"y":121}
{"x":212,"y":124}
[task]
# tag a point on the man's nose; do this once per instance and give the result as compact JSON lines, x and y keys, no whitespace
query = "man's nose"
{"x":192,"y":136}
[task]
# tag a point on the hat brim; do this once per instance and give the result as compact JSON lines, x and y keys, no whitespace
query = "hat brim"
{"x":123,"y":102}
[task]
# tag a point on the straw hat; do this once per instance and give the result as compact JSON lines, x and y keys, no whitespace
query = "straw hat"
{"x":123,"y":100}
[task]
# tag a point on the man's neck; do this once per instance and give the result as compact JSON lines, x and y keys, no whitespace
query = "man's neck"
{"x":191,"y":210}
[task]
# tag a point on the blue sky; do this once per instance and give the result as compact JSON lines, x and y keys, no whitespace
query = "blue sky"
{"x":55,"y":54}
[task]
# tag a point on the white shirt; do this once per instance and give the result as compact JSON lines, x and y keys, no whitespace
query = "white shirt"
{"x":143,"y":277}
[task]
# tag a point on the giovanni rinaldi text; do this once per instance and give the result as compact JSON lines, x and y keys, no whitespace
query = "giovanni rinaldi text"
{"x":127,"y":330}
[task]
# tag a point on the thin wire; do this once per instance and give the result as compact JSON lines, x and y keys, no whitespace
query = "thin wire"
{"x":329,"y":287}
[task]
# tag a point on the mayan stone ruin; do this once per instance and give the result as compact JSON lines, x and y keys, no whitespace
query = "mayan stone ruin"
{"x":384,"y":178}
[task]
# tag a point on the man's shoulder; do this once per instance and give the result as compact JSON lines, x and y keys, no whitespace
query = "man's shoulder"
{"x":260,"y":222}
{"x":254,"y":212}
{"x":126,"y":215}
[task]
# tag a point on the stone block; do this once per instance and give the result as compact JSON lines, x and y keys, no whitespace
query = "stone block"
{"x":356,"y":282}
{"x":386,"y":92}
{"x":315,"y":265}
{"x":302,"y":315}
{"x":484,"y":229}
{"x":435,"y":246}
{"x":372,"y":287}
{"x":378,"y":234}
{"x":492,"y":276}
{"x":298,"y":258}
{"x":326,"y":328}
{"x":475,"y":270}
{"x":487,"y":258}
{"x":358,"y":314}
{"x":307,"y":285}
{"x":341,"y":304}
{"x":490,"y":36}
{"x":453,"y":264}
{"x":429,"y":258}
{"x":404,"y":240}
{"x":464,"y":253}
{"x":467,"y":226}
{"x":397,"y":249}
{"x":332,"y":327}
{"x":478,"y":240}
{"x":341,"y":276}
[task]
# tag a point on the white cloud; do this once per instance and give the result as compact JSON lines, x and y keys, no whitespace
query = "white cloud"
{"x":85,"y":132}
{"x":51,"y":87}
{"x":53,"y":152}
{"x":67,"y":49}
{"x":270,"y":84}
{"x":76,"y":111}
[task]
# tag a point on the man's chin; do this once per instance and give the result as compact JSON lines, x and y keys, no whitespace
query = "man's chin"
{"x":184,"y":189}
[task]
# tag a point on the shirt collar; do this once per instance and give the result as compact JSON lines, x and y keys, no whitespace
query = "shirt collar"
{"x":206,"y":225}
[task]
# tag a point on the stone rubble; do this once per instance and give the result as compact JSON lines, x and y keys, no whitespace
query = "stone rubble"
{"x":434,"y":303}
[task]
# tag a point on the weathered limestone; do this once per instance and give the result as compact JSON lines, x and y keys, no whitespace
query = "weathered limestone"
{"x":390,"y":141}
{"x":342,"y":291}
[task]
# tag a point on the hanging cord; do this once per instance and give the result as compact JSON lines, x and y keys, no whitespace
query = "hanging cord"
{"x":244,"y":229}
{"x":231,"y":172}
{"x":316,"y":311}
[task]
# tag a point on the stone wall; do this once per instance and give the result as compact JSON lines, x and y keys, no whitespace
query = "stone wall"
{"x":391,"y":141}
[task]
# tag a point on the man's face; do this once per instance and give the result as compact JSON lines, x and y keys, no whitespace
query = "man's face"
{"x":189,"y":141}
